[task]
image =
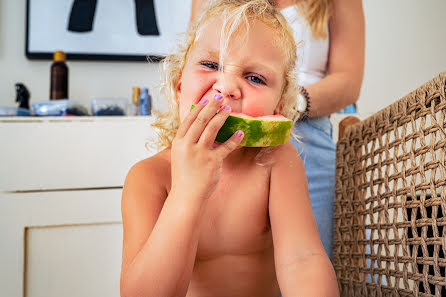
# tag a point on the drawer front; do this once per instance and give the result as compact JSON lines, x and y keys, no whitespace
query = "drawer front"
{"x":58,"y":153}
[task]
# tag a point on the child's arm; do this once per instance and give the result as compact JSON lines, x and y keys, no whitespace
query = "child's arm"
{"x":161,"y":234}
{"x":302,"y":266}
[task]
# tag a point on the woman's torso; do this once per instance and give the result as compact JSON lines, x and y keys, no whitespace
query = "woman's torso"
{"x":312,"y":53}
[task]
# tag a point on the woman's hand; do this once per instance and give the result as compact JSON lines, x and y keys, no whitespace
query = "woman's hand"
{"x":196,"y":165}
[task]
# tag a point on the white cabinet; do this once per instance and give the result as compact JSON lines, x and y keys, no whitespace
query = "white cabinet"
{"x":60,"y":191}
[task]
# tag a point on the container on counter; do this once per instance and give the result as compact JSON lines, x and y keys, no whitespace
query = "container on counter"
{"x":134,"y":105}
{"x":12,"y":111}
{"x":109,"y":106}
{"x":145,"y":102}
{"x":59,"y":77}
{"x":63,"y":107}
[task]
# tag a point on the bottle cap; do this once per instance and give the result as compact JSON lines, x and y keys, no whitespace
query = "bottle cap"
{"x":145,"y":90}
{"x":59,"y":56}
{"x":136,"y":93}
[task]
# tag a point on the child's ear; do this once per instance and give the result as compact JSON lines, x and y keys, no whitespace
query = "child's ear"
{"x":178,"y":90}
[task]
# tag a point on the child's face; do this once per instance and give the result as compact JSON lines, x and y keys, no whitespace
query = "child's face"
{"x":253,"y":75}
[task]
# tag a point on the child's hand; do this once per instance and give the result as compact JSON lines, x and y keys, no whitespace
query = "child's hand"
{"x":196,"y":165}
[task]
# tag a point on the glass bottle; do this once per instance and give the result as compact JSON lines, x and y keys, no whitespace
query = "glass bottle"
{"x":59,"y":77}
{"x":134,"y":107}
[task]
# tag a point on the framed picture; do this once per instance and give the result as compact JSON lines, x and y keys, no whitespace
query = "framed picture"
{"x":126,"y":30}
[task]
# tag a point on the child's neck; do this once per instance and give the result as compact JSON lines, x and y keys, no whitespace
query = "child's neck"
{"x":241,"y":155}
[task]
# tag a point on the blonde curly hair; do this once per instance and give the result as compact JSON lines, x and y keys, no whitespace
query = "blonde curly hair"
{"x":236,"y":14}
{"x":317,"y":13}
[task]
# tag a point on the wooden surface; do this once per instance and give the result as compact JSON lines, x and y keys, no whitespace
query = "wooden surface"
{"x":346,"y":122}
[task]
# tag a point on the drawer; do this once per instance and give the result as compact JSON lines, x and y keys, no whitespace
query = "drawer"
{"x":71,"y":152}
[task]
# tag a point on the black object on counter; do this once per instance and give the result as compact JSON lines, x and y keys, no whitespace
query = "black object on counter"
{"x":110,"y":111}
{"x":22,"y":95}
{"x":59,"y":77}
{"x":76,"y":111}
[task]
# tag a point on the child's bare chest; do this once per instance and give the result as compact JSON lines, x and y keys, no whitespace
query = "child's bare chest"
{"x":236,"y":219}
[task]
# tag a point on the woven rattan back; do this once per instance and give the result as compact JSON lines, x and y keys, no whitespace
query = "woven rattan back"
{"x":390,"y":199}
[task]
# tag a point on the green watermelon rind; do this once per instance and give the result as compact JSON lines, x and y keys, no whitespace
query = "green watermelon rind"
{"x":258,"y":132}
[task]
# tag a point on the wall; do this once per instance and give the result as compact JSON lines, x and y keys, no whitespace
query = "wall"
{"x":87,"y":79}
{"x":405,"y":47}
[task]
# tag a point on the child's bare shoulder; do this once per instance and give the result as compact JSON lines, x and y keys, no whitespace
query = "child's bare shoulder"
{"x":149,"y":175}
{"x":282,"y":154}
{"x":286,"y":160}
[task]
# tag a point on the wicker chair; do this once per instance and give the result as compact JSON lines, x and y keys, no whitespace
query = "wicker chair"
{"x":390,"y":199}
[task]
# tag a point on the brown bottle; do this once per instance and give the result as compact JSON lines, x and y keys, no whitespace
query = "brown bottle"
{"x":59,"y":77}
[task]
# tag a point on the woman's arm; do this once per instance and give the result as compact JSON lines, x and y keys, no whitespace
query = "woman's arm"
{"x":302,"y":266}
{"x":342,"y":85}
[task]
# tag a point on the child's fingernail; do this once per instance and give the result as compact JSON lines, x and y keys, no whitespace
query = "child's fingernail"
{"x":203,"y":101}
{"x":218,"y":96}
{"x":239,"y":133}
{"x":227,"y":107}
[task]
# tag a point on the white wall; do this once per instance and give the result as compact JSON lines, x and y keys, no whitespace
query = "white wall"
{"x":405,"y":47}
{"x":86,"y":79}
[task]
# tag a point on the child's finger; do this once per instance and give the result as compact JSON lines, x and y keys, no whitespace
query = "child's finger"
{"x":190,"y":118}
{"x":209,"y":134}
{"x":230,"y":145}
{"x":202,"y":119}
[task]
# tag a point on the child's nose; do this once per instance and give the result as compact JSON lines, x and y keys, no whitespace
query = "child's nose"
{"x":227,"y":85}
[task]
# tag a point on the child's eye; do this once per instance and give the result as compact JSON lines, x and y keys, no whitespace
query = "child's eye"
{"x":256,"y":79}
{"x":211,"y":65}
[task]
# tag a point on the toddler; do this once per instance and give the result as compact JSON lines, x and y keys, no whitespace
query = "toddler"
{"x":208,"y":219}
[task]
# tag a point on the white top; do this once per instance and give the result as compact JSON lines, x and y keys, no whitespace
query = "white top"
{"x":312,"y":54}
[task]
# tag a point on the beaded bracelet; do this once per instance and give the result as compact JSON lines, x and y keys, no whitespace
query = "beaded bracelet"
{"x":304,"y":103}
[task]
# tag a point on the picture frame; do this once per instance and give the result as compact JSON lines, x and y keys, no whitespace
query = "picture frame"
{"x":107,"y":30}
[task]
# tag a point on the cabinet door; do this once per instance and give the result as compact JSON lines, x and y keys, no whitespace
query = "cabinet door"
{"x":60,"y":243}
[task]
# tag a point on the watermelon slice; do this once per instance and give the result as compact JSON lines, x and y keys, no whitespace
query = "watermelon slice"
{"x":261,"y":131}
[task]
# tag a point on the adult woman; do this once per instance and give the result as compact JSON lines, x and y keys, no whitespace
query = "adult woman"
{"x":330,"y":72}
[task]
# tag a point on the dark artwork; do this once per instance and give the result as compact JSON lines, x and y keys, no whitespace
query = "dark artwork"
{"x":86,"y":30}
{"x":83,"y":12}
{"x":110,"y":111}
{"x":82,"y":16}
